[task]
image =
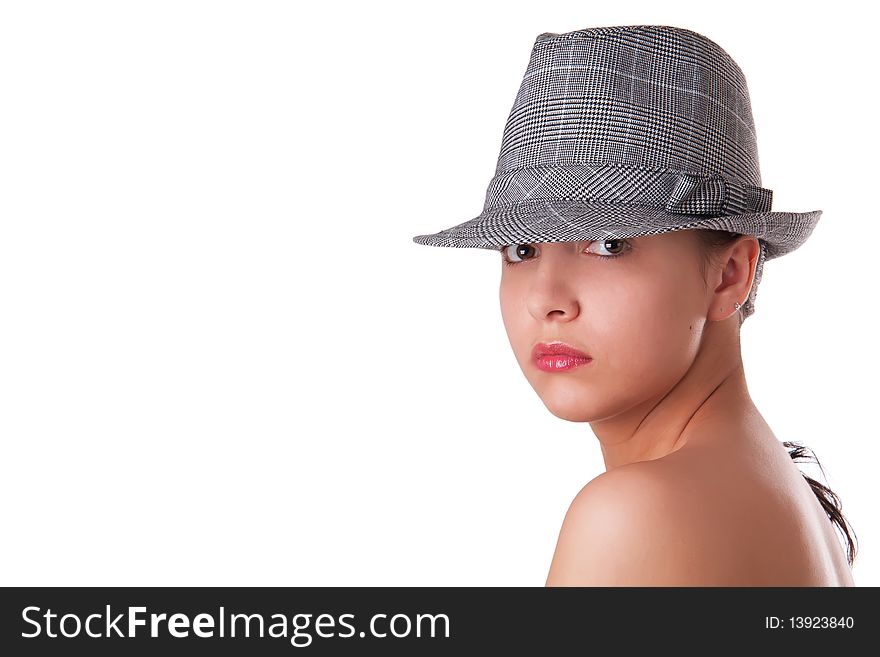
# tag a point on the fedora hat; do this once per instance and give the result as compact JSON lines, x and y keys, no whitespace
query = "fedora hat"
{"x":626,"y":131}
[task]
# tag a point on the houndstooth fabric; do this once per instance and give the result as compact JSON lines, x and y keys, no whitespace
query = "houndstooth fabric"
{"x":628,"y":131}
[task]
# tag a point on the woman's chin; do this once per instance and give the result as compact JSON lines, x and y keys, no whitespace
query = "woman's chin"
{"x":568,"y":407}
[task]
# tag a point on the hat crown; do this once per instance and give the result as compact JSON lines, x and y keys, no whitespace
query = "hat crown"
{"x":654,"y":97}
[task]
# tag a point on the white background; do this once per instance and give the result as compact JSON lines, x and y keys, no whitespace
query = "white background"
{"x":223,"y":361}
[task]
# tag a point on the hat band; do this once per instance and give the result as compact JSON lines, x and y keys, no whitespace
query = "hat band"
{"x":675,"y":191}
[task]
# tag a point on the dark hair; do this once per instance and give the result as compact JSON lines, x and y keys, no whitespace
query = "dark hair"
{"x":713,"y":242}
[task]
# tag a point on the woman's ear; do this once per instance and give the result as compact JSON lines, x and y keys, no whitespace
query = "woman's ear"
{"x":739,"y":262}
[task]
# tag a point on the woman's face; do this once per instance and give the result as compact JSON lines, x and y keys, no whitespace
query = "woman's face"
{"x":638,"y":315}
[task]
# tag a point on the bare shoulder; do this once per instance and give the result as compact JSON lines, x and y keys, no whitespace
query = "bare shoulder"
{"x":635,"y":526}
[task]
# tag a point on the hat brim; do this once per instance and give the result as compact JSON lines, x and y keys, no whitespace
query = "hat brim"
{"x":573,"y":220}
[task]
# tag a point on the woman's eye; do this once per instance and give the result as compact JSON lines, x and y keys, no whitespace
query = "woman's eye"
{"x":613,"y":246}
{"x":516,"y":252}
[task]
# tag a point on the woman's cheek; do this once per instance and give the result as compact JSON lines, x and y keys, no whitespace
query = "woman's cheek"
{"x":620,"y":308}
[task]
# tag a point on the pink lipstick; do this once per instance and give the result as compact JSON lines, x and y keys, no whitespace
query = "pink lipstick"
{"x":558,"y":357}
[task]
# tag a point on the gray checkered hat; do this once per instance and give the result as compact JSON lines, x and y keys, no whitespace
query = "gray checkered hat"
{"x":625,"y":131}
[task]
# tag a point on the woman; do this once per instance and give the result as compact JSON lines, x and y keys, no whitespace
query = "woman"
{"x":633,"y":229}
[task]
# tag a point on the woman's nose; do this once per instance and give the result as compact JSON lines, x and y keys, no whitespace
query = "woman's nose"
{"x":550,"y":296}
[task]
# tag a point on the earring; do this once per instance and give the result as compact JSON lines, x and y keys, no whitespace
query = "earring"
{"x":737,"y":306}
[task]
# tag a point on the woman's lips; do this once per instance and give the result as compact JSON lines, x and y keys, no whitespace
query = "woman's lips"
{"x":558,"y":357}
